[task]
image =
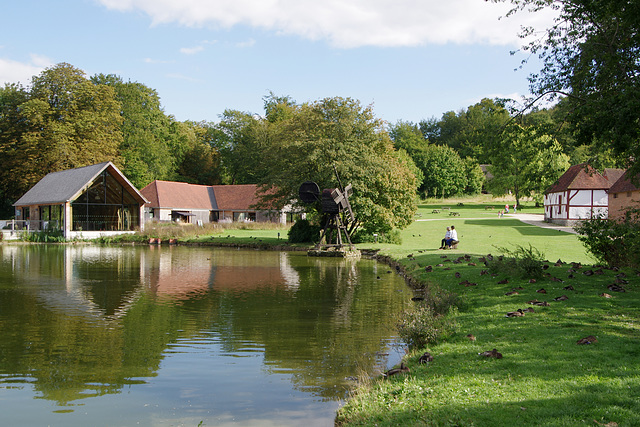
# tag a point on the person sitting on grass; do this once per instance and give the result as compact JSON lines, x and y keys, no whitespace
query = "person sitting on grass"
{"x":447,"y":235}
{"x":453,"y":238}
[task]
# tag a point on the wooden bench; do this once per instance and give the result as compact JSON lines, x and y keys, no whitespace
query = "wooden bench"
{"x":488,"y":208}
{"x":454,"y":245}
{"x":435,"y":211}
{"x":446,"y":208}
{"x":454,"y":213}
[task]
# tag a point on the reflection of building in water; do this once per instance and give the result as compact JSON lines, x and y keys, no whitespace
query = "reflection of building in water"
{"x":96,"y":282}
{"x":183,"y":273}
{"x":104,"y":282}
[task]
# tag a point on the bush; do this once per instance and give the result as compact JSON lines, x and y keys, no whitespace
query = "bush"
{"x":614,"y":243}
{"x":45,"y":236}
{"x":304,"y":232}
{"x":421,"y":325}
{"x":365,"y":236}
{"x":522,"y":262}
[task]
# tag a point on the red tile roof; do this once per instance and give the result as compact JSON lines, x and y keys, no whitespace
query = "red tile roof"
{"x":624,"y":184}
{"x":181,"y":195}
{"x":585,"y":177}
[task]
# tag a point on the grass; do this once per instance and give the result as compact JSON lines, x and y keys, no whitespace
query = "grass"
{"x":544,"y":378}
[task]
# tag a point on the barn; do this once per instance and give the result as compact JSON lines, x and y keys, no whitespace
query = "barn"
{"x":580,"y":193}
{"x":201,"y":204}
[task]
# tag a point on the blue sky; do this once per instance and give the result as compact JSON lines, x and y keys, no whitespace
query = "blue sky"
{"x":411,"y":59}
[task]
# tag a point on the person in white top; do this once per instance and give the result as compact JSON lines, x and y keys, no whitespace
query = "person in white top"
{"x":447,"y":235}
{"x":453,"y":238}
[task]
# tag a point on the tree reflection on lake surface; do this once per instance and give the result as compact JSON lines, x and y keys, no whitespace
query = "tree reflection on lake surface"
{"x":94,"y":335}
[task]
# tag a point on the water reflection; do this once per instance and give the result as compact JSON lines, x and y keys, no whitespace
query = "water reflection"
{"x":218,"y":333}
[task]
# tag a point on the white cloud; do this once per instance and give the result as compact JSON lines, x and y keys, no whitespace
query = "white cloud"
{"x":349,"y":23}
{"x":191,"y":50}
{"x":14,"y":71}
{"x":246,"y":43}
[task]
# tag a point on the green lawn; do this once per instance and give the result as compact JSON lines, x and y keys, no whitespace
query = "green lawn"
{"x":544,"y":378}
{"x":481,"y":232}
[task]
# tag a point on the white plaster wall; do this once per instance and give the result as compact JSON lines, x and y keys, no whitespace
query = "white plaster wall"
{"x":580,"y":197}
{"x":600,"y":198}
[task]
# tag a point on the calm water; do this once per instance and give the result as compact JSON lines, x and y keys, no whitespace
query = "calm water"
{"x":101,"y":336}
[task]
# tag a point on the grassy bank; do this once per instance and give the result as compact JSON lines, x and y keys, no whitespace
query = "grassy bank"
{"x":544,"y":376}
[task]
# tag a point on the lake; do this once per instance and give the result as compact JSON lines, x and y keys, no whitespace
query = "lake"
{"x":187,"y":336}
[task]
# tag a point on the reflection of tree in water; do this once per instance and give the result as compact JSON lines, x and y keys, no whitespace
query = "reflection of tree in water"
{"x":105,"y":319}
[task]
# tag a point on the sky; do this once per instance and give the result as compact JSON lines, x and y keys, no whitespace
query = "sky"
{"x":410,"y":59}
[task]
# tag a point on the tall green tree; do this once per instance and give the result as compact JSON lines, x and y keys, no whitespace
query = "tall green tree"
{"x":73,"y":121}
{"x":62,"y":121}
{"x":313,"y":138}
{"x":591,"y":55}
{"x":525,"y":162}
{"x":13,"y":150}
{"x":146,"y":146}
{"x":444,"y":171}
{"x":236,"y":137}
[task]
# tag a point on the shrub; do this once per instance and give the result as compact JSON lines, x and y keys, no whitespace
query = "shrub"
{"x":304,"y":232}
{"x":614,"y":243}
{"x":45,"y":236}
{"x":421,"y":325}
{"x":365,"y":236}
{"x":522,"y":262}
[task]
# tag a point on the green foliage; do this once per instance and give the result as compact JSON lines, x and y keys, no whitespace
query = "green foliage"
{"x":313,"y":138}
{"x":591,"y":54}
{"x":62,"y":121}
{"x":444,"y":171}
{"x":304,"y":232}
{"x":612,"y":242}
{"x":45,"y":236}
{"x":364,"y":236}
{"x":523,"y":262}
{"x":526,"y":162}
{"x":420,"y":326}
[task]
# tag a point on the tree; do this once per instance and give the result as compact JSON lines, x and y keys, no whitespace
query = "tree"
{"x":470,"y":131}
{"x":236,"y":138}
{"x":312,"y":138}
{"x":407,"y":136}
{"x":13,"y":152}
{"x":146,"y":131}
{"x":525,"y":162}
{"x":444,"y":171}
{"x":73,"y":122}
{"x":591,"y":55}
{"x":63,"y":121}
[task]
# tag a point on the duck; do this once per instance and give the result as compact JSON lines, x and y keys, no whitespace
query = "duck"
{"x":561,"y":298}
{"x":471,"y":337}
{"x":587,"y":340}
{"x":401,"y":370}
{"x":542,"y":291}
{"x":491,"y":353}
{"x":615,"y":288}
{"x":517,"y":313}
{"x":425,"y":358}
